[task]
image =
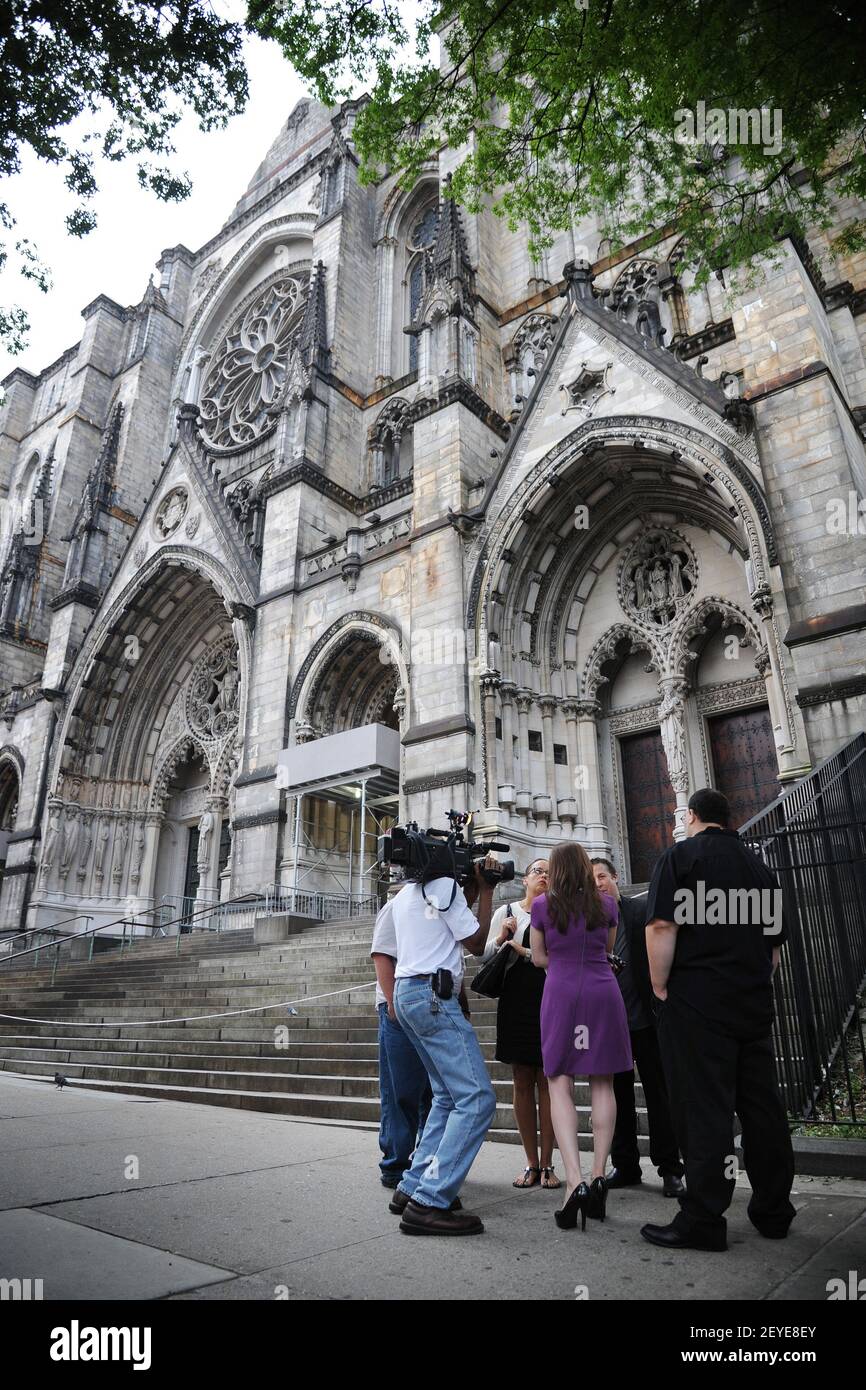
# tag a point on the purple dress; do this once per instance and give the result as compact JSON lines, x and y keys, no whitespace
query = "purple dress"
{"x":584,"y":1027}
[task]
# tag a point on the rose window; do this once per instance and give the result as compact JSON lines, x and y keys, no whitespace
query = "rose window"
{"x":248,"y":371}
{"x":213,"y":697}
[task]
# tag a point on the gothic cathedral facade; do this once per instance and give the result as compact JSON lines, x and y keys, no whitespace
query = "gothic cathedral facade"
{"x":582,"y":536}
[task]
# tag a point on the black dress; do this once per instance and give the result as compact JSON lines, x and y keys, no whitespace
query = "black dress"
{"x":518,"y":1015}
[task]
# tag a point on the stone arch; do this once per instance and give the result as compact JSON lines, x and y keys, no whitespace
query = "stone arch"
{"x":693,"y":623}
{"x":180,"y":750}
{"x":400,"y":270}
{"x":607,"y":649}
{"x":11,"y":779}
{"x":513,"y":496}
{"x":368,"y":627}
{"x":390,"y":443}
{"x":104,"y":648}
{"x":294,"y":229}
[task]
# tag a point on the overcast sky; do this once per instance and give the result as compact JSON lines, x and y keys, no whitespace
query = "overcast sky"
{"x":134,"y":226}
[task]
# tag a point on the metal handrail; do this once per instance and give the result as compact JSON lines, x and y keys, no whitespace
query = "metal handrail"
{"x":125,"y":922}
{"x":30,"y":931}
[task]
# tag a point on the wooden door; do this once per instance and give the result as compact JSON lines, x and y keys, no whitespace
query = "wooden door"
{"x":649,"y":802}
{"x":744,"y":761}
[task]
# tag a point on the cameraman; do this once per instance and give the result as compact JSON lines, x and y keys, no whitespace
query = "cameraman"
{"x":433,"y":922}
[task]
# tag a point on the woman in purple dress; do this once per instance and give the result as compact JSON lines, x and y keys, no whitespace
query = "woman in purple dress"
{"x":584,"y":1027}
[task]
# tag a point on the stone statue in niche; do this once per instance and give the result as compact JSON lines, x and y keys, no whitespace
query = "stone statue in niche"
{"x":51,"y":838}
{"x":672,"y":719}
{"x":121,"y":839}
{"x":205,"y":831}
{"x":657,"y":578}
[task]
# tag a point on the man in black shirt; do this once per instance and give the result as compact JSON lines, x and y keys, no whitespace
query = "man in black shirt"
{"x":634,"y":982}
{"x":714,"y":933}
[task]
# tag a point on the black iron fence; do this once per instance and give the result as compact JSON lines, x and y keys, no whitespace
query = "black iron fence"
{"x":814,"y":839}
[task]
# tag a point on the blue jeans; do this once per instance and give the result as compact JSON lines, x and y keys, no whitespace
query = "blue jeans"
{"x":463,"y":1100}
{"x":404,"y":1094}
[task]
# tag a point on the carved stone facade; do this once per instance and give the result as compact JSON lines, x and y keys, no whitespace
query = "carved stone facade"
{"x":338,"y":467}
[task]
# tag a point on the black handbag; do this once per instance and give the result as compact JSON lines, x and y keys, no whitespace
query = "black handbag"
{"x":491,"y":977}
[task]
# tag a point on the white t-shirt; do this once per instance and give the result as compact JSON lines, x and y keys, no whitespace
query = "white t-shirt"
{"x":384,"y":941}
{"x":428,"y":940}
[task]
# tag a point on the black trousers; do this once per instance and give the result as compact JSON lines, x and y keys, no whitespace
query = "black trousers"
{"x":624,"y":1154}
{"x":711,"y":1076}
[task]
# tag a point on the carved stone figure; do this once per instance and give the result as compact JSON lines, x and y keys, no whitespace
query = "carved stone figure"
{"x":121,"y":839}
{"x":205,"y":831}
{"x":171,"y":511}
{"x":51,"y":838}
{"x":657,"y":578}
{"x":101,"y":848}
{"x":86,"y":846}
{"x":72,"y":831}
{"x":672,"y":719}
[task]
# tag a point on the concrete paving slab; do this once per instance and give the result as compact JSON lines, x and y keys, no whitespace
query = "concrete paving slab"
{"x":524,"y":1256}
{"x":296,"y":1209}
{"x":75,"y":1262}
{"x":251,"y":1221}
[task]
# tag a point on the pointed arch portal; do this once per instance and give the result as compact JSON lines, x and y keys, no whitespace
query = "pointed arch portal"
{"x":138,"y":807}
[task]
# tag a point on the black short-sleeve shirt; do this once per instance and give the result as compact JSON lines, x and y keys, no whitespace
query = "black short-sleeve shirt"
{"x":728,"y":906}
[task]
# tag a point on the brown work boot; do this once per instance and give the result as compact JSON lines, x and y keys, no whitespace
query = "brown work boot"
{"x":418,"y":1220}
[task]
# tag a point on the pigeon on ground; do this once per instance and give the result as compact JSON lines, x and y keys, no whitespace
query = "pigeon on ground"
{"x":60,"y":1081}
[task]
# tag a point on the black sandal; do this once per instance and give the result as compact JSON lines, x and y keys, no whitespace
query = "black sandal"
{"x":545,"y":1179}
{"x":523,"y":1183}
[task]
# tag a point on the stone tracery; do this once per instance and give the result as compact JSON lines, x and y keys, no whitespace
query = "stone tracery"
{"x":248,"y":370}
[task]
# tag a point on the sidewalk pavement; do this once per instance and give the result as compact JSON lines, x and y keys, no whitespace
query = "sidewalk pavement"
{"x":111,"y":1196}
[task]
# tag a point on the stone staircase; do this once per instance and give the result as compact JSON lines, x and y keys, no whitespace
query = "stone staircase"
{"x":320,"y":1064}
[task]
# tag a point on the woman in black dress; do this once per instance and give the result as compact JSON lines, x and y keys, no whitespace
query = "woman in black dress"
{"x":518,"y":1028}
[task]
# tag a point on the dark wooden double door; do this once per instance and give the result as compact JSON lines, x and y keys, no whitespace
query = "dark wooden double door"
{"x":744,"y":765}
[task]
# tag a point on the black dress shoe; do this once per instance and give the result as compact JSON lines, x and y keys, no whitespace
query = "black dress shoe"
{"x":672,"y":1238}
{"x":617,"y":1179}
{"x":418,"y":1220}
{"x":398,"y":1203}
{"x":673,"y":1186}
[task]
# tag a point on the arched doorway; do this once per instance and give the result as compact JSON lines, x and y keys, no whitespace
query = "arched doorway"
{"x":352,"y":681}
{"x":148,"y":751}
{"x":601,"y":578}
{"x":9,"y":793}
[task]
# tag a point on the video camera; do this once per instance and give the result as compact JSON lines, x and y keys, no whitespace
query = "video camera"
{"x":427,"y":854}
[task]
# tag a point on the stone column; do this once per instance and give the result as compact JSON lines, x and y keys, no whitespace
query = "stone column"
{"x":570,"y":808}
{"x":524,"y":791}
{"x":762,"y":602}
{"x":401,"y":709}
{"x":548,"y":705}
{"x":152,"y":828}
{"x":385,"y":253}
{"x":587,"y":736}
{"x":506,"y":694}
{"x":489,"y":686}
{"x":672,"y":720}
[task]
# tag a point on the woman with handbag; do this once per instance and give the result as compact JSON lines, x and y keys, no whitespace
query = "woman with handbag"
{"x":518,"y":1026}
{"x":584,"y":1028}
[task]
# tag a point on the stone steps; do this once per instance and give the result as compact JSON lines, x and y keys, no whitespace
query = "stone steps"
{"x":322,"y":1066}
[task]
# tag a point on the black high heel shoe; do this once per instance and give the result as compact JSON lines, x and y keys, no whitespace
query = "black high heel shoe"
{"x":597,"y":1199}
{"x":566,"y":1218}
